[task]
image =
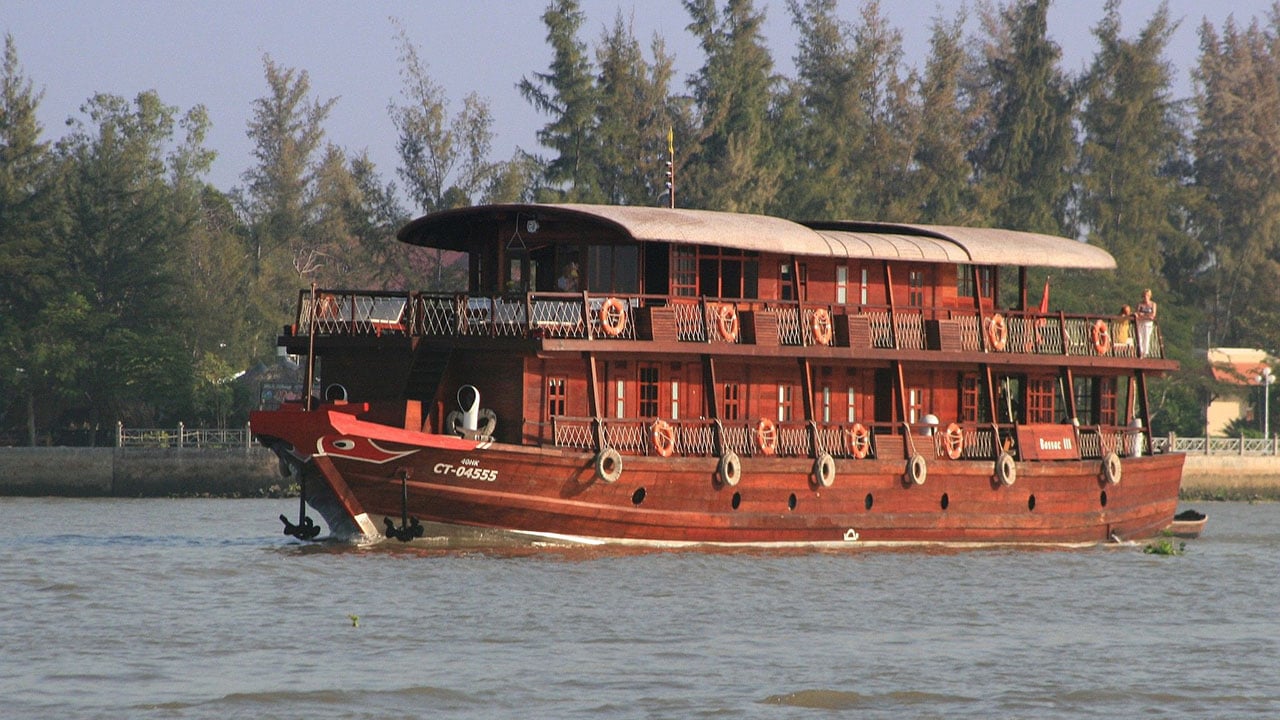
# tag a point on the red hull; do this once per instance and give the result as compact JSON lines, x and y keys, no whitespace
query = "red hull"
{"x":369,"y":469}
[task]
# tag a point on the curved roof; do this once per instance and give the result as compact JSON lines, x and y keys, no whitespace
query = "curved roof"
{"x":458,"y":229}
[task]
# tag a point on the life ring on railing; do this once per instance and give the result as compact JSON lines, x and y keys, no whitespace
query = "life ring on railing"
{"x":767,"y":436}
{"x":1112,"y":468}
{"x":730,"y":468}
{"x":664,"y":438}
{"x":820,"y":326}
{"x":609,"y":465}
{"x":824,"y":469}
{"x":997,"y":332}
{"x":859,"y":439}
{"x":1101,"y":337}
{"x":727,"y":322}
{"x":953,"y":440}
{"x":613,"y":317}
{"x":1006,"y":469}
{"x":917,"y":469}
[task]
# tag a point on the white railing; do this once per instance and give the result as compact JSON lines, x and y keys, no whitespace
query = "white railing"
{"x":1217,"y":445}
{"x":184,"y":437}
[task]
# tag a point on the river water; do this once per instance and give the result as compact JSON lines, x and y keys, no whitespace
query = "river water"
{"x":202,"y":609}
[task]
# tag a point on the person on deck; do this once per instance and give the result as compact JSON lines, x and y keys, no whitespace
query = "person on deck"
{"x":1146,"y":317}
{"x":1124,"y":338}
{"x":568,"y":281}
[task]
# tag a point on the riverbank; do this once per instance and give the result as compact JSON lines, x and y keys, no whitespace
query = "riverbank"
{"x":253,"y":472}
{"x":140,"y":472}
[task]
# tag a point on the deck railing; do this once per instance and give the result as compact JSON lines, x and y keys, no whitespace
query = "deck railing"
{"x":704,"y":438}
{"x":701,"y":320}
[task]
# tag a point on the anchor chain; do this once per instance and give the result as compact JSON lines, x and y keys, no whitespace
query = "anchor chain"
{"x":409,"y":527}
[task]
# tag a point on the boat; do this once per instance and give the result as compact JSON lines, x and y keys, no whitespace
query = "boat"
{"x":1187,"y":524}
{"x":672,"y":377}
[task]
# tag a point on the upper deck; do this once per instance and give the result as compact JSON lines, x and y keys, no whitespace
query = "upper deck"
{"x":642,"y":279}
{"x":640,"y":323}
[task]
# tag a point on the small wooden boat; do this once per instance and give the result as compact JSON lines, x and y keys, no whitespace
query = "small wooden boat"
{"x":1187,"y":524}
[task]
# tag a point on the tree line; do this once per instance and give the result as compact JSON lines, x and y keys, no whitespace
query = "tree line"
{"x":132,"y":289}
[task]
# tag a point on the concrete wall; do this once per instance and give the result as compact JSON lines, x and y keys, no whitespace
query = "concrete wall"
{"x":137,"y":472}
{"x":1233,"y":475}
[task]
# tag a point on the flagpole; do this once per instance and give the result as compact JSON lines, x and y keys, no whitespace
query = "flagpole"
{"x":671,"y":166}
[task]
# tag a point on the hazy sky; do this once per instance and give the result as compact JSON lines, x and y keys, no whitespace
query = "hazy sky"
{"x":209,"y":52}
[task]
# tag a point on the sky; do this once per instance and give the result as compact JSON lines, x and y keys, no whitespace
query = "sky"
{"x":211,"y":52}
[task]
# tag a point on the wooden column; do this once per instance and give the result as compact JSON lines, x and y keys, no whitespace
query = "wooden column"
{"x":593,"y":397}
{"x":888,"y":293}
{"x":806,"y":387}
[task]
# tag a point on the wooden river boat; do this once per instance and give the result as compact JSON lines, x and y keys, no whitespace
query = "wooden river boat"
{"x":672,"y":376}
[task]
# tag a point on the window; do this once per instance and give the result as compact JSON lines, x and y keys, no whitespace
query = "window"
{"x":556,"y":395}
{"x":852,"y":406}
{"x":825,"y":403}
{"x":675,"y":400}
{"x":970,"y":397}
{"x":1107,"y":414}
{"x":648,"y":391}
{"x":613,"y":268}
{"x":732,"y":408}
{"x":684,"y":272}
{"x":1040,"y":397}
{"x":1086,"y":405}
{"x":915,"y":404}
{"x":786,"y":408}
{"x":620,"y":398}
{"x":728,"y":273}
{"x":964,"y":281}
{"x":842,"y":284}
{"x":915,"y":288}
{"x":863,"y":295}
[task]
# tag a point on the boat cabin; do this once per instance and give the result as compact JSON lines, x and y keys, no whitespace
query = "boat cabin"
{"x":584,"y":325}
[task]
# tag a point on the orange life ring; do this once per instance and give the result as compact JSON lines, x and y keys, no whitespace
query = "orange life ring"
{"x":613,"y":317}
{"x":997,"y":332}
{"x":727,"y":322}
{"x":664,"y":438}
{"x":954,"y":441}
{"x":1101,"y":337}
{"x":820,"y":325}
{"x":859,"y":440}
{"x":767,"y":436}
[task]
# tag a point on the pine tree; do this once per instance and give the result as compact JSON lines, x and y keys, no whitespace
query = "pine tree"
{"x":122,"y":246}
{"x":1026,"y":161}
{"x":1129,"y":191}
{"x":568,"y":93}
{"x":636,"y":112}
{"x":287,"y":130}
{"x":1238,"y":105}
{"x":943,"y":177}
{"x":30,"y":275}
{"x":733,"y":164}
{"x":443,"y":161}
